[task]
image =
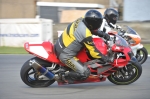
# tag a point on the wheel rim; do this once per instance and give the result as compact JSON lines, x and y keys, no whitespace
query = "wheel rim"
{"x":125,"y":75}
{"x":140,"y":56}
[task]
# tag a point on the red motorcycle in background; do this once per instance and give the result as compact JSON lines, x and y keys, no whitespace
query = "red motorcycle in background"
{"x":39,"y":71}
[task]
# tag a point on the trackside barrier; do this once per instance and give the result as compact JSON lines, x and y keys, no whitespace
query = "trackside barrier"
{"x":15,"y":32}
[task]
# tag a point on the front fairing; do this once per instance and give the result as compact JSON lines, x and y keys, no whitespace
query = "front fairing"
{"x":132,"y":36}
{"x":129,"y":31}
{"x":122,"y":61}
{"x":121,"y":47}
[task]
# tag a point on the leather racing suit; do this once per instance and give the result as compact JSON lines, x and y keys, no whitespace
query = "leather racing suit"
{"x":106,"y":27}
{"x":75,"y":37}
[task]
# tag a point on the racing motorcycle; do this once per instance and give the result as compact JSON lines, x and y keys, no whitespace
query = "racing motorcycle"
{"x":134,"y":39}
{"x":41,"y":70}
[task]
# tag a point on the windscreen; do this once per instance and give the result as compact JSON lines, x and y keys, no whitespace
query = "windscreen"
{"x":129,"y":30}
{"x":120,"y":41}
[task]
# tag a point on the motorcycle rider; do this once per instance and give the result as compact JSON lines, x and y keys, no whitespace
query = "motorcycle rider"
{"x":109,"y":21}
{"x":76,"y":36}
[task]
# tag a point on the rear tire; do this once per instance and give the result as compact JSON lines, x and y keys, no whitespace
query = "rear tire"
{"x":28,"y":74}
{"x":126,"y":75}
{"x":142,"y":58}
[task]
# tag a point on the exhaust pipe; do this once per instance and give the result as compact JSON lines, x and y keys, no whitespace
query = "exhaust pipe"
{"x":41,"y":69}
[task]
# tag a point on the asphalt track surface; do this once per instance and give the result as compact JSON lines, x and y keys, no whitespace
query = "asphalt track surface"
{"x":12,"y":87}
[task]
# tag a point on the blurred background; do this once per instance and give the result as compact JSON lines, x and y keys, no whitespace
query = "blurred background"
{"x":39,"y":20}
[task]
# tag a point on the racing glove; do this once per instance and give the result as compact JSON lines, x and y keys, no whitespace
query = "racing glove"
{"x":112,"y":25}
{"x":118,"y":27}
{"x":106,"y":36}
{"x":123,"y":31}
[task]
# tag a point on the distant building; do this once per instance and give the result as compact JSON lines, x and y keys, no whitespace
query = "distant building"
{"x":52,"y":10}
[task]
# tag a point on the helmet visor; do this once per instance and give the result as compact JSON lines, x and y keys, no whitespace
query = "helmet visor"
{"x":94,"y":23}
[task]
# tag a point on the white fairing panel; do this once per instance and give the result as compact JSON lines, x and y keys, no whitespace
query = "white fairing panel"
{"x":136,"y":47}
{"x":39,"y":50}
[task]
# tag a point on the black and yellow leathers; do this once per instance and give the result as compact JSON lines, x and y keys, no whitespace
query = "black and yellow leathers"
{"x":75,"y":37}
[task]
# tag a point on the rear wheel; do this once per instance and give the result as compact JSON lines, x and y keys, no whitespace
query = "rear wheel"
{"x":126,"y":75}
{"x":32,"y":78}
{"x":142,"y":55}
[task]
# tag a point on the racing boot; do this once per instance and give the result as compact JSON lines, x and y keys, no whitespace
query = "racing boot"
{"x":61,"y":77}
{"x":64,"y":78}
{"x":70,"y":77}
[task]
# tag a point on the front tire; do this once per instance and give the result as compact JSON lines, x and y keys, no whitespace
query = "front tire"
{"x":29,"y":76}
{"x":142,"y":55}
{"x":126,"y":75}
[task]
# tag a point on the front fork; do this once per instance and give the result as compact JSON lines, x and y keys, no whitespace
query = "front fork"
{"x":133,"y":60}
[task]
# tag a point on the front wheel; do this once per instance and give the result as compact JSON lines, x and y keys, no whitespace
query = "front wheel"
{"x":32,"y":78}
{"x":126,"y":75}
{"x":142,"y":55}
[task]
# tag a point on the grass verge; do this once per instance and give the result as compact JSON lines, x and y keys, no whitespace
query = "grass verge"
{"x":147,"y":46}
{"x":12,"y":50}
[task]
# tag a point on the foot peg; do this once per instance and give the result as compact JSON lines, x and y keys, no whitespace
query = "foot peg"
{"x":61,"y":76}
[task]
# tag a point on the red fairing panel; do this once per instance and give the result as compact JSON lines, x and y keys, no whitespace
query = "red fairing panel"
{"x":43,"y":50}
{"x":121,"y":62}
{"x":82,"y":56}
{"x":100,"y":45}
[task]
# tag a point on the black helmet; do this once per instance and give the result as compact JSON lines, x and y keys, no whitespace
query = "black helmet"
{"x":111,"y":15}
{"x":93,"y":19}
